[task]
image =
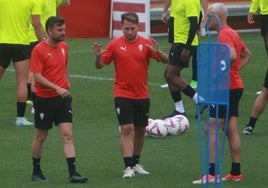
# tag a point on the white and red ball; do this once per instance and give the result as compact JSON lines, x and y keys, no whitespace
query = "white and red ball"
{"x":157,"y":129}
{"x":148,"y":127}
{"x":183,"y":121}
{"x":173,"y":126}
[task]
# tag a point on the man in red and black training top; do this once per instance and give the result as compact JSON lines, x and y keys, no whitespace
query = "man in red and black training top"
{"x":131,"y":54}
{"x":49,"y":65}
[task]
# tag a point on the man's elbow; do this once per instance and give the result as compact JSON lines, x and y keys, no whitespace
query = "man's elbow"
{"x":246,"y":54}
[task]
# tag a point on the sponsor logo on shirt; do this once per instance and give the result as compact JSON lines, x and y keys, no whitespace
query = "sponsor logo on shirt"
{"x":123,"y":48}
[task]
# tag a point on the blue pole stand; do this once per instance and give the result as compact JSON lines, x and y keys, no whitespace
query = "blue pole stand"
{"x":213,"y":75}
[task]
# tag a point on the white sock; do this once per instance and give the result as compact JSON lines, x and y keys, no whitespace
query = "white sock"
{"x":179,"y":106}
{"x":195,"y":98}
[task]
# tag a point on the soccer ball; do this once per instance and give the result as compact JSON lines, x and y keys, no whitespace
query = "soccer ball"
{"x":157,"y":129}
{"x":183,"y":121}
{"x":173,"y":126}
{"x":149,"y":126}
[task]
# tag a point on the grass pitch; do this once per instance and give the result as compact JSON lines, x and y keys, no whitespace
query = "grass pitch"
{"x":172,"y":162}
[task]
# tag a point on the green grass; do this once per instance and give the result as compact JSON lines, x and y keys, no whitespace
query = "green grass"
{"x":173,"y":161}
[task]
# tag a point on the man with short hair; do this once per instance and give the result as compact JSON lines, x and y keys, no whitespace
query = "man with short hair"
{"x":46,"y":8}
{"x":131,"y":54}
{"x":49,"y":65}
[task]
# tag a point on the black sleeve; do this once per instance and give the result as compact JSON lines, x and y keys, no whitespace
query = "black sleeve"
{"x":200,"y":19}
{"x":194,"y":25}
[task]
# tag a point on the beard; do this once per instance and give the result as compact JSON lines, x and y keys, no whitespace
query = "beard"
{"x":57,"y":39}
{"x":130,"y":37}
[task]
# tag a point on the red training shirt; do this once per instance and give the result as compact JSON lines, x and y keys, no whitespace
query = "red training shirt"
{"x":51,"y":62}
{"x":131,"y":61}
{"x":229,"y":36}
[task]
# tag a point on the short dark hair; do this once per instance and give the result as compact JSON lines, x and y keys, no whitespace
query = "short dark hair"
{"x":130,"y":17}
{"x":54,"y":20}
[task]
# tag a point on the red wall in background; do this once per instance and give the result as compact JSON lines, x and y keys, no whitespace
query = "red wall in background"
{"x":87,"y":18}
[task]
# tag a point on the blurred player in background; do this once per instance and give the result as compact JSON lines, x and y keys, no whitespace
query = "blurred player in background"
{"x":131,"y":54}
{"x":258,"y":107}
{"x":261,"y":5}
{"x":175,"y":92}
{"x":15,"y":18}
{"x":261,"y":100}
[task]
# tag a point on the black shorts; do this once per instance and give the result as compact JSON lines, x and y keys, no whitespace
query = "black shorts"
{"x":265,"y":82}
{"x":14,"y":53}
{"x":175,"y":54}
{"x":32,"y":45}
{"x":235,"y":96}
{"x":132,"y":111}
{"x":171,"y":30}
{"x":49,"y":110}
{"x":264,"y":25}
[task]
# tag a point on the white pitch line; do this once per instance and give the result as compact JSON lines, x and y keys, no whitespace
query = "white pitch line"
{"x":93,"y":78}
{"x":90,"y":77}
{"x":105,"y":79}
{"x":112,"y":79}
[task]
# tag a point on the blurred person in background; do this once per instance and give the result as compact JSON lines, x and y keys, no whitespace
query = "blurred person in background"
{"x":202,"y":17}
{"x":15,"y":18}
{"x":261,"y":100}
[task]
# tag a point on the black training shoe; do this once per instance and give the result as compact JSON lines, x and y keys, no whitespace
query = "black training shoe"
{"x":38,"y":177}
{"x":202,"y":109}
{"x":77,"y":178}
{"x":174,"y":113}
{"x":248,"y":130}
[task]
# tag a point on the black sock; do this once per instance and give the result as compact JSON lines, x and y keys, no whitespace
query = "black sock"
{"x":71,"y":165}
{"x":252,"y":121}
{"x":21,"y":107}
{"x":189,"y":91}
{"x":128,"y":161}
{"x":136,"y":159}
{"x":176,"y":96}
{"x":29,"y":96}
{"x":212,"y":169}
{"x":36,"y":165}
{"x":33,"y":97}
{"x":235,"y":169}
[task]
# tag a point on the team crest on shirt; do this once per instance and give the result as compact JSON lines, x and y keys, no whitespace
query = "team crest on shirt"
{"x":140,"y":47}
